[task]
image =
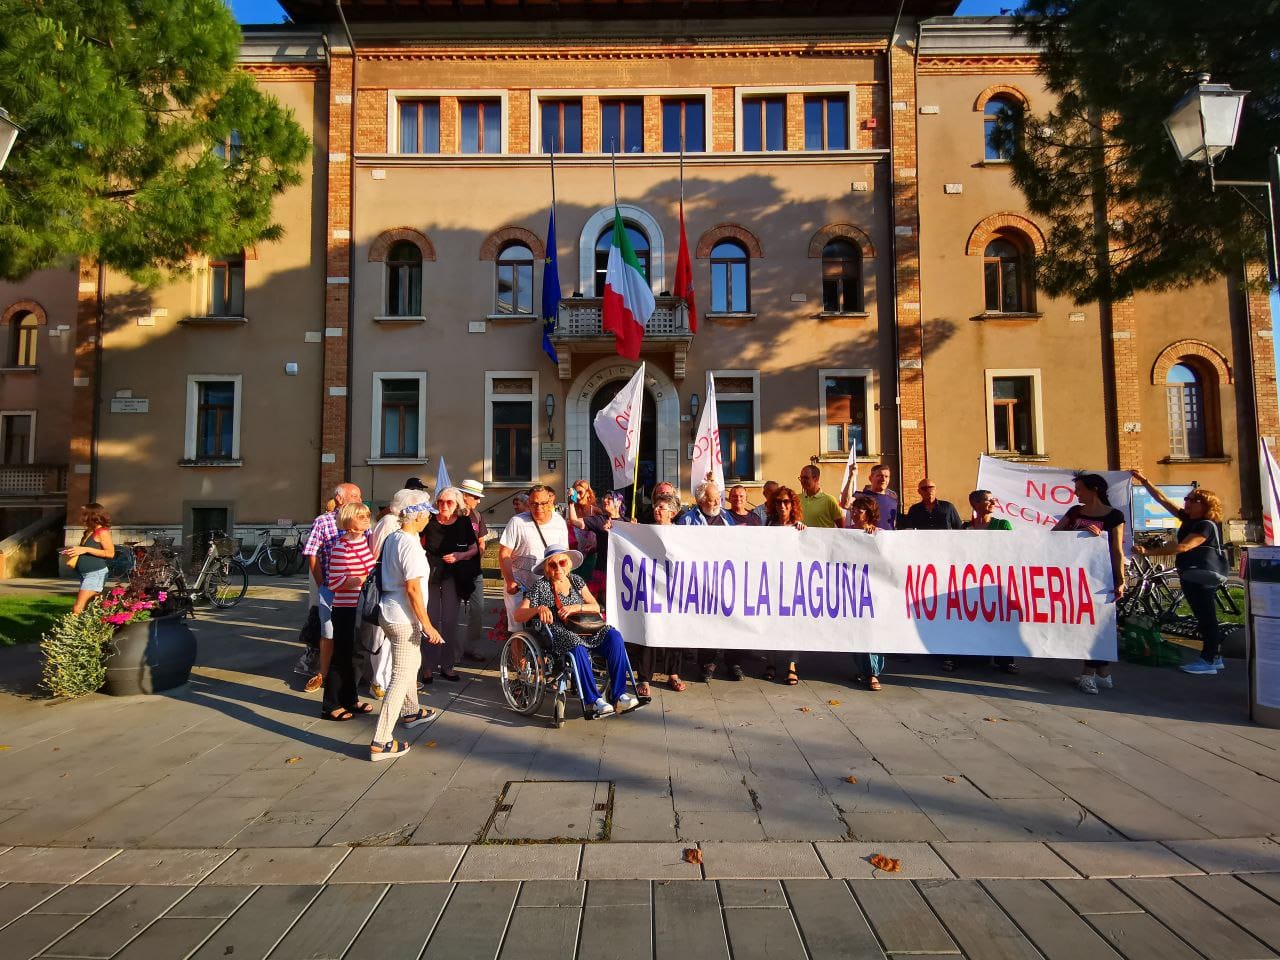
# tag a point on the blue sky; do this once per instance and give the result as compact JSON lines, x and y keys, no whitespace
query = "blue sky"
{"x":268,"y":11}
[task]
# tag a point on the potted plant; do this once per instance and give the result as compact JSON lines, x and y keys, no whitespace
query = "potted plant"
{"x":152,"y":648}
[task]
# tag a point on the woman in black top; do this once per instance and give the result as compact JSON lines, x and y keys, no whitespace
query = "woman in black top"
{"x":452,"y":551}
{"x":1197,"y":547}
{"x":1095,"y":514}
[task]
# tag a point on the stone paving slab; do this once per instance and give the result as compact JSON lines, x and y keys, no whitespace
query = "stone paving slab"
{"x":753,"y":860}
{"x":159,"y":866}
{"x":290,"y":866}
{"x":520,"y":861}
{"x":1003,"y":860}
{"x":1257,"y":855}
{"x":643,"y":861}
{"x":424,"y":864}
{"x":851,"y":861}
{"x":50,"y":864}
{"x":1128,"y":859}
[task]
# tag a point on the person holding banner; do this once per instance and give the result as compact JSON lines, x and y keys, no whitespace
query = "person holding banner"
{"x":1201,"y":563}
{"x":1095,"y":514}
{"x":559,"y":593}
{"x":864,"y":517}
{"x":784,"y":511}
{"x":707,"y":512}
{"x":983,"y":505}
{"x":742,"y":515}
{"x":666,"y":660}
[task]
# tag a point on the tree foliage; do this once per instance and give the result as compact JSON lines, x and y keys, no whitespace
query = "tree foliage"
{"x":122,"y":103}
{"x":1124,"y":214}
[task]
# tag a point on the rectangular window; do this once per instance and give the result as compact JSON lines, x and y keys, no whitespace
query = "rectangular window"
{"x":826,"y":122}
{"x":738,"y":412}
{"x":846,"y":414}
{"x":481,"y":126}
{"x":561,"y":126}
{"x":730,"y":290}
{"x":511,"y":441}
{"x":764,"y":123}
{"x":215,"y":420}
{"x":226,"y":287}
{"x":622,"y":126}
{"x":1013,"y":415}
{"x":15,"y":438}
{"x":230,"y":149}
{"x":419,"y":126}
{"x":684,"y":119}
{"x":400,"y":399}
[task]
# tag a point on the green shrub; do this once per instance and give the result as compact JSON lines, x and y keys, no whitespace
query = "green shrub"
{"x":74,"y":647}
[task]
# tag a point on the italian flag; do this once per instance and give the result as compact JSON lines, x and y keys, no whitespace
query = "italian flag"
{"x":628,"y":301}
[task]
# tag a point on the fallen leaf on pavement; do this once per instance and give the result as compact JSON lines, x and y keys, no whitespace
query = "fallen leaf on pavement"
{"x":293,"y":760}
{"x":806,"y":709}
{"x":887,"y":864}
{"x":989,"y":719}
{"x":692,"y":855}
{"x":833,"y":703}
{"x":949,"y":779}
{"x":4,"y":746}
{"x":850,"y":779}
{"x":431,"y":743}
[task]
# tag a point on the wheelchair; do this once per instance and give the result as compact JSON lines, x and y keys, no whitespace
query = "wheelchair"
{"x":529,"y":671}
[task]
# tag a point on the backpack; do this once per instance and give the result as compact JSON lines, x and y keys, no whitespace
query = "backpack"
{"x":371,"y":595}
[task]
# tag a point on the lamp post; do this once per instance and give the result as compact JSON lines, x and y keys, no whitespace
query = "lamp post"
{"x":1203,"y":126}
{"x":694,"y":403}
{"x":8,"y":135}
{"x":550,"y":406}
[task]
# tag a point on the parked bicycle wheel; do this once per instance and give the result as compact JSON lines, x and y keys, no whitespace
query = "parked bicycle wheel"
{"x":269,"y":561}
{"x":227,"y":583}
{"x":292,"y":562}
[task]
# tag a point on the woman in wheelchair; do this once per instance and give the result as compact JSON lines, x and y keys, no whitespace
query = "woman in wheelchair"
{"x":556,"y":600}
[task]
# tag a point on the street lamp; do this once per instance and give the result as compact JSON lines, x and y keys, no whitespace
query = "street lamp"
{"x":8,"y":135}
{"x":1203,"y":126}
{"x":550,"y":406}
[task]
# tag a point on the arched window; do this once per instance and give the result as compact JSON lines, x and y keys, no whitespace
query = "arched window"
{"x":841,"y":277}
{"x":404,"y":280}
{"x":1001,"y":122}
{"x":730,"y":278}
{"x":24,"y":335}
{"x":639,"y":243}
{"x":1008,"y":274}
{"x":1185,"y":391}
{"x":515,"y":280}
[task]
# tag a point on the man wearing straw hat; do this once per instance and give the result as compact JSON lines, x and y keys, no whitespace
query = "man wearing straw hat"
{"x":472,"y":649}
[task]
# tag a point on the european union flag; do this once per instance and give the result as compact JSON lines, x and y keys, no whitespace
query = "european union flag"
{"x":550,"y":291}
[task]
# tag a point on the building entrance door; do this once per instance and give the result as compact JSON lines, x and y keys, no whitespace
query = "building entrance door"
{"x":601,"y":472}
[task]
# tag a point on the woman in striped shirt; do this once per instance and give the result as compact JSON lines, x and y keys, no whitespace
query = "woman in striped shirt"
{"x":349,"y":566}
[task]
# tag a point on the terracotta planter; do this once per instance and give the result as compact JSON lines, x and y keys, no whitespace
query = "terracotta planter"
{"x":150,"y":656}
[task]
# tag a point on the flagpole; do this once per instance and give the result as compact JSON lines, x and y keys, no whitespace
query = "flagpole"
{"x":613,"y":164}
{"x":635,"y":476}
{"x":553,"y":182}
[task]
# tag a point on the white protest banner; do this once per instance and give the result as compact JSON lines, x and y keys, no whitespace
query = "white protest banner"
{"x":1038,"y":496}
{"x":988,"y":593}
{"x":618,"y":427}
{"x":1270,"y":493}
{"x":707,"y":459}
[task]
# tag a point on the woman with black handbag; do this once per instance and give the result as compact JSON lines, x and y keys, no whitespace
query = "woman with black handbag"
{"x":1201,"y":563}
{"x":454,"y":554}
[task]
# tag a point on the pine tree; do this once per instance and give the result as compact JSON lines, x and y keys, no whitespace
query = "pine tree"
{"x":1124,"y":214}
{"x":142,"y":142}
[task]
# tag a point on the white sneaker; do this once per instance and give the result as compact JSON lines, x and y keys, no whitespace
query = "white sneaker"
{"x":627,"y":702}
{"x":1105,"y":683}
{"x":603,"y":709}
{"x":1087,"y":684}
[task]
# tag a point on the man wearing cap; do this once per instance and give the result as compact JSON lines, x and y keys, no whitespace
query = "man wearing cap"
{"x":472,"y":643}
{"x":525,"y":539}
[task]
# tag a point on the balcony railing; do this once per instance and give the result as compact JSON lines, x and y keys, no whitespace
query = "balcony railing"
{"x":582,"y":317}
{"x":33,"y":480}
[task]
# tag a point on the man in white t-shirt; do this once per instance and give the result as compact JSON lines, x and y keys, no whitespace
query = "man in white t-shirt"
{"x":524,"y":542}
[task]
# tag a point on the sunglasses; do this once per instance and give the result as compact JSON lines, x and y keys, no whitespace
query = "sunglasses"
{"x":787,"y":502}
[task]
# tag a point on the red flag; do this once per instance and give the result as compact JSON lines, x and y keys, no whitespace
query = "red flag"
{"x":684,"y":275}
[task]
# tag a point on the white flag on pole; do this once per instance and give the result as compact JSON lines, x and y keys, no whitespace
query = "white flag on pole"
{"x":1270,"y":493}
{"x":618,"y":427}
{"x":442,"y":477}
{"x":708,"y":462}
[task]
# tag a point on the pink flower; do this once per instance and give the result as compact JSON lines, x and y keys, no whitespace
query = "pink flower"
{"x":163,"y":596}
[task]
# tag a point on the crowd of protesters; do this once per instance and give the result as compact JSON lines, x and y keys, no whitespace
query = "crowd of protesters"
{"x":553,"y":565}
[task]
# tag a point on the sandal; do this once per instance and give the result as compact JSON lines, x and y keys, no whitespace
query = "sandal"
{"x":873,"y":683}
{"x":314,"y":683}
{"x":363,"y":708}
{"x":338,"y":716}
{"x":642,"y":689}
{"x":417,"y":719}
{"x":385,"y":751}
{"x":677,"y":684}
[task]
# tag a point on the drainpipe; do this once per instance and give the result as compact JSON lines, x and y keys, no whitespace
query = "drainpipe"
{"x":97,"y":383}
{"x":893,"y":246}
{"x":351,"y":242}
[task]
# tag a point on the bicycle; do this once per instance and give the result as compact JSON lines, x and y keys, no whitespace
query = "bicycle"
{"x":1154,"y":593}
{"x":288,"y":553}
{"x":222,"y":579}
{"x":263,"y":555}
